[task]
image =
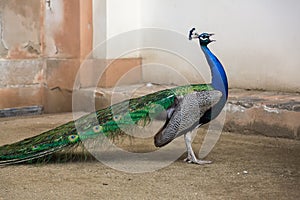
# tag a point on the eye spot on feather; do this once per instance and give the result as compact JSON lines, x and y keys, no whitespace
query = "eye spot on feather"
{"x":97,"y":129}
{"x":117,"y":117}
{"x":35,"y":147}
{"x":73,"y":138}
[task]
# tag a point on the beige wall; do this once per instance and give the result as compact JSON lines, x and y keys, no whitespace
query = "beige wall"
{"x":257,"y":41}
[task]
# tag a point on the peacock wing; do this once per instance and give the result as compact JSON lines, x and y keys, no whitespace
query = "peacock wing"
{"x":186,"y":115}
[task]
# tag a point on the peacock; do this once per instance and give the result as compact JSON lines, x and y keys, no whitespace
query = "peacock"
{"x":186,"y":108}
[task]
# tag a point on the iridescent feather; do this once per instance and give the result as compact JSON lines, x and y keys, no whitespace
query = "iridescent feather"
{"x":136,"y":111}
{"x":109,"y":121}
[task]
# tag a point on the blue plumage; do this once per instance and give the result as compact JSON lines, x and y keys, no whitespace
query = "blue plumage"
{"x":194,"y":110}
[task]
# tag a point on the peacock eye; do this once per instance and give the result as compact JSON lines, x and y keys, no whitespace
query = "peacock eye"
{"x":73,"y":138}
{"x":117,"y":117}
{"x":97,"y":129}
{"x":35,"y":147}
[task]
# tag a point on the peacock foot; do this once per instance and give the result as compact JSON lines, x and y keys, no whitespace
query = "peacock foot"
{"x":196,"y":161}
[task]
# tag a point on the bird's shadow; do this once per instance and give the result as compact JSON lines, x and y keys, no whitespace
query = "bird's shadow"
{"x":86,"y":157}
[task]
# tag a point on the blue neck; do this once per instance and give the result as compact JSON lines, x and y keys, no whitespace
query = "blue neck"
{"x":219,"y":78}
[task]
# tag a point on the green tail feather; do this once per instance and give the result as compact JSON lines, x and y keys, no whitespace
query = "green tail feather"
{"x":126,"y":113}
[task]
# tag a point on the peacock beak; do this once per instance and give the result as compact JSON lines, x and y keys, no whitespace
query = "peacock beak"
{"x":211,"y":34}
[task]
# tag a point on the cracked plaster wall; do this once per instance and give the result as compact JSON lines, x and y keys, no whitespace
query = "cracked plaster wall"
{"x":20,"y":29}
{"x":39,"y":50}
{"x":22,"y":68}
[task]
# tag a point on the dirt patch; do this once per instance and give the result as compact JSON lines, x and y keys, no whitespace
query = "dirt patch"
{"x":244,"y":167}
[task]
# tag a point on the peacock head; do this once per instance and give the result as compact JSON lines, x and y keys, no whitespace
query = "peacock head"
{"x":204,"y":38}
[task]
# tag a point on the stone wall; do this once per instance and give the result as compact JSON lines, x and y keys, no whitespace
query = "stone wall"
{"x":22,"y":66}
{"x":42,"y":44}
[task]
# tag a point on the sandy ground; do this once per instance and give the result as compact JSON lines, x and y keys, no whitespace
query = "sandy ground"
{"x":272,"y":165}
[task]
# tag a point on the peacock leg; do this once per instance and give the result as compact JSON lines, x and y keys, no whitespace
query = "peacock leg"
{"x":191,"y":158}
